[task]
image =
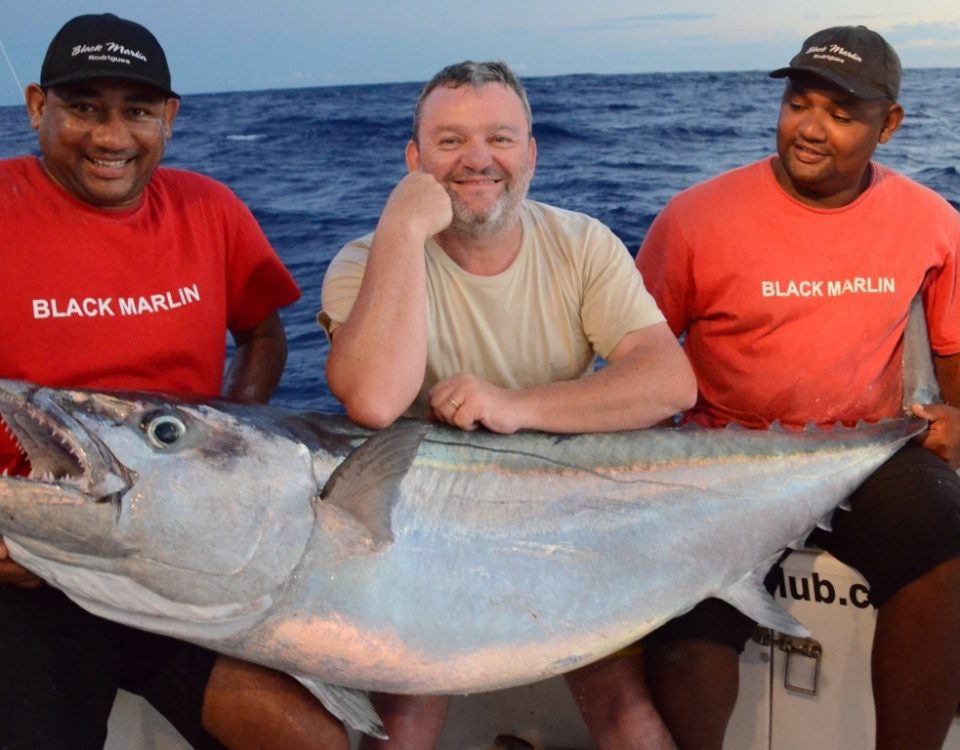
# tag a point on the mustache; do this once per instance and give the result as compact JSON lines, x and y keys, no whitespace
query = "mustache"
{"x":466,"y":174}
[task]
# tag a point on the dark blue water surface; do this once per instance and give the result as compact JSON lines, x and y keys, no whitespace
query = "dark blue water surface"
{"x":316,"y":165}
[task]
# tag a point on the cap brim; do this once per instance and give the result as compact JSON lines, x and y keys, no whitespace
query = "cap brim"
{"x":851,"y":85}
{"x":90,"y":75}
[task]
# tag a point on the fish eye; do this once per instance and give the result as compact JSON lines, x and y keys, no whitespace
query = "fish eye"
{"x":163,"y":429}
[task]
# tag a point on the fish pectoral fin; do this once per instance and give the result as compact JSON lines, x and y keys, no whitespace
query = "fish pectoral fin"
{"x":750,"y":597}
{"x":348,"y":705}
{"x":367,"y":483}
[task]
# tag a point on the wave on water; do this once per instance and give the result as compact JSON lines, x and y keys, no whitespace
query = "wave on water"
{"x":944,"y":180}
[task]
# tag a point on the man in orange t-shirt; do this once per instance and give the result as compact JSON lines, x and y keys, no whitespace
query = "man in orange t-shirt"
{"x":791,"y":279}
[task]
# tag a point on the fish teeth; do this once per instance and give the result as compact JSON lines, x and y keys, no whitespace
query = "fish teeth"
{"x":12,"y":436}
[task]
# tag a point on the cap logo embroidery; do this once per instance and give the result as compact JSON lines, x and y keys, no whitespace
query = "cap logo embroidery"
{"x":838,"y":50}
{"x":111,"y":47}
{"x":828,"y":52}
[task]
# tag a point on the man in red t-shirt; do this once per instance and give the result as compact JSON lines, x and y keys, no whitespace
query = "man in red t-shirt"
{"x":125,"y":275}
{"x":791,"y":279}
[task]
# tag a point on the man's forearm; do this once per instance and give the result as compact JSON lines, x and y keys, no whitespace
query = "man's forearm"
{"x":948,"y":377}
{"x":257,"y":364}
{"x":378,"y":356}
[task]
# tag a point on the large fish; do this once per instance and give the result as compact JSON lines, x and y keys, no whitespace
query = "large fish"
{"x":419,"y":559}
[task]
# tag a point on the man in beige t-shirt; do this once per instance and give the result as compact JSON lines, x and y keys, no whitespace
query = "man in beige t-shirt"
{"x":476,"y":307}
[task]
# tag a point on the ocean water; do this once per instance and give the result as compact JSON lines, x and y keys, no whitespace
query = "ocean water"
{"x":316,"y":164}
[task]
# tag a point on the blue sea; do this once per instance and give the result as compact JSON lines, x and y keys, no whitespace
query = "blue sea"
{"x":316,"y":164}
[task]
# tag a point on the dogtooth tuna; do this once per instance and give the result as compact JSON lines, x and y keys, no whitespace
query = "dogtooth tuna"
{"x":419,"y":559}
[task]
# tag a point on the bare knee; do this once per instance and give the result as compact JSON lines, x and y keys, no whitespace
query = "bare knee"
{"x":616,"y":706}
{"x":249,"y":706}
{"x":413,"y":722}
{"x":694,"y":684}
{"x":609,"y":684}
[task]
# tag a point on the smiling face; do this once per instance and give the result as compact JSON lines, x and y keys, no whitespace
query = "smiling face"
{"x":101,"y":140}
{"x":476,"y":142}
{"x":825,"y":140}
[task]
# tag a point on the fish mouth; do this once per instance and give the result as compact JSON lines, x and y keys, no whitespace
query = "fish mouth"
{"x":63,"y":455}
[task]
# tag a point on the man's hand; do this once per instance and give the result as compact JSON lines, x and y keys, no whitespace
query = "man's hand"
{"x":943,"y":437}
{"x":467,"y":402}
{"x":14,"y":573}
{"x":420,"y":203}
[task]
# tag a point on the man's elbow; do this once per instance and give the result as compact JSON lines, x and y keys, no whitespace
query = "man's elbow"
{"x":686,"y":391}
{"x":372,"y":415}
{"x":367,"y":406}
{"x":678,"y":391}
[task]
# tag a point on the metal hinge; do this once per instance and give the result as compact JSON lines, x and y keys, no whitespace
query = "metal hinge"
{"x":797,"y":678}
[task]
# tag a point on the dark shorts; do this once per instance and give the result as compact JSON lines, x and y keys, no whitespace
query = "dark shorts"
{"x":60,"y":668}
{"x":903,"y":521}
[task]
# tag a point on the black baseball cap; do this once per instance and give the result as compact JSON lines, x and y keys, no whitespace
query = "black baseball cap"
{"x":105,"y":46}
{"x":854,"y":58}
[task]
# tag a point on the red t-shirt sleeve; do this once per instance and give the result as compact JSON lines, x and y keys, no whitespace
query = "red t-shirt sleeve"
{"x":257,"y":280}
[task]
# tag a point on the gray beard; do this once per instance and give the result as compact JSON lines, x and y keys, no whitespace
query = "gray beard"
{"x":500,"y":216}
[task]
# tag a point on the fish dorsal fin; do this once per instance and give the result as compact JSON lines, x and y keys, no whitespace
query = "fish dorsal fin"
{"x":750,"y":597}
{"x":367,"y":483}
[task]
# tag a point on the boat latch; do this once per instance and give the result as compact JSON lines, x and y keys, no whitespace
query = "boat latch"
{"x":802,"y":674}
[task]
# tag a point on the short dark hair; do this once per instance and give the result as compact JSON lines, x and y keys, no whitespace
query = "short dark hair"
{"x":475,"y":75}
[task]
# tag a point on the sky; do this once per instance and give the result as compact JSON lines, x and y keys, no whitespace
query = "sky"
{"x":233,"y":45}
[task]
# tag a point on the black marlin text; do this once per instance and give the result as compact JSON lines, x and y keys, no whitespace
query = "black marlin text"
{"x":108,"y":307}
